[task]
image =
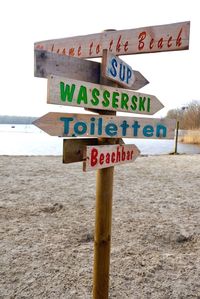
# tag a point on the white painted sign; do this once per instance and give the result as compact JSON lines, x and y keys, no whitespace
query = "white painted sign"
{"x":103,"y":156}
{"x":118,"y":71}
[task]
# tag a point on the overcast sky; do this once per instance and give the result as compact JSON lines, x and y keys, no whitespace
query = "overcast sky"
{"x":173,"y":76}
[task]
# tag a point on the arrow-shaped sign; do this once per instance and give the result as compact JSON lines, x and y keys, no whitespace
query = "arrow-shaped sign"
{"x":47,"y":63}
{"x":103,"y":156}
{"x":69,"y":92}
{"x":91,"y":125}
{"x":171,"y":37}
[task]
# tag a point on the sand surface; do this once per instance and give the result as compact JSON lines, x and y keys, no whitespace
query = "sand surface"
{"x":47,"y":213}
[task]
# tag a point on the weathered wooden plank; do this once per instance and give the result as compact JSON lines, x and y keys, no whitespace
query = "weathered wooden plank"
{"x":73,"y":149}
{"x":88,"y":125}
{"x":104,"y":156}
{"x":170,"y":37}
{"x":70,"y":92}
{"x":49,"y":63}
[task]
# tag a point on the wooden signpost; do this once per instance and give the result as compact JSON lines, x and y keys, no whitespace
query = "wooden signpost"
{"x":105,"y":126}
{"x":103,"y":156}
{"x":76,"y":82}
{"x":50,"y":63}
{"x":171,"y":37}
{"x":70,"y":92}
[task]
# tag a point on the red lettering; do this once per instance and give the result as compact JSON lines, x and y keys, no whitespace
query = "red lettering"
{"x":94,"y":154}
{"x":91,"y":45}
{"x":58,"y":51}
{"x":151,"y":43}
{"x":101,"y":159}
{"x":160,"y":43}
{"x":123,"y":154}
{"x":107,"y":158}
{"x":118,"y":154}
{"x":141,"y":37}
{"x":110,"y":46}
{"x":79,"y":51}
{"x":52,"y":48}
{"x":71,"y":52}
{"x":126,"y":46}
{"x":113,"y":157}
{"x":169,"y":43}
{"x":118,"y":44}
{"x":98,"y":49}
{"x":40,"y":47}
{"x":179,"y":39}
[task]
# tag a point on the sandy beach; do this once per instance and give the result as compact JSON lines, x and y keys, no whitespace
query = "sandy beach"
{"x":47,"y":212}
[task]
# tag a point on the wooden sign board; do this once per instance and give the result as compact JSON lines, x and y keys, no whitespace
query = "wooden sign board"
{"x":171,"y":37}
{"x":70,"y":92}
{"x":89,"y":125}
{"x":47,"y":63}
{"x":104,"y":156}
{"x":73,"y":149}
{"x":118,"y":71}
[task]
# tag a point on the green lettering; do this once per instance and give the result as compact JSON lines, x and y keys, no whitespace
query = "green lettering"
{"x":141,"y":104}
{"x":115,"y":99}
{"x":95,"y":99}
{"x":66,"y":92}
{"x":124,"y":101}
{"x":82,"y":95}
{"x":149,"y":105}
{"x":134,"y":103}
{"x":106,"y":101}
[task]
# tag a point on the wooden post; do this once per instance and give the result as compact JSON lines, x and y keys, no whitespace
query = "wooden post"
{"x":103,"y":220}
{"x":176,"y":138}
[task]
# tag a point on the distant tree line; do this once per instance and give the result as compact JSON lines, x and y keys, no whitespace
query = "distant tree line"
{"x":188,"y":117}
{"x":7,"y":119}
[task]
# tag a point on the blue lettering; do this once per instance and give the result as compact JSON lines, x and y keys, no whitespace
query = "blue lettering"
{"x":114,"y":64}
{"x":129,"y":74}
{"x":122,"y":72}
{"x":100,"y":121}
{"x":111,"y":129}
{"x":148,"y":131}
{"x":80,"y":128}
{"x":66,"y":121}
{"x":158,"y":131}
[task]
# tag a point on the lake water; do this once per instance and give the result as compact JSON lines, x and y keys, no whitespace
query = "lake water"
{"x":29,"y":140}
